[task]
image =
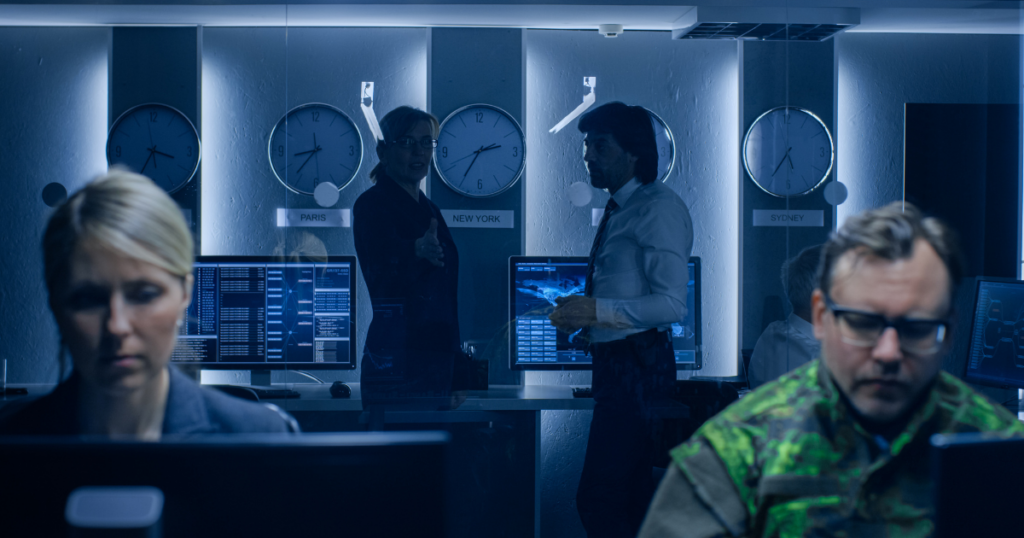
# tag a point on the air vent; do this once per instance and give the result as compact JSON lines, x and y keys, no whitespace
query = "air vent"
{"x":766,"y":24}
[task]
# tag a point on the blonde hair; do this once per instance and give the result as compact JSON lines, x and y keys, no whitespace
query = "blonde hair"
{"x":395,"y":124}
{"x":122,"y":211}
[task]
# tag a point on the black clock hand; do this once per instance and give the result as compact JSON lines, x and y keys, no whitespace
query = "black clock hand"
{"x":305,"y":152}
{"x":492,"y":146}
{"x":784,"y":157}
{"x":147,"y":161}
{"x":311,"y":152}
{"x":464,"y":158}
{"x":161,"y":153}
{"x":477,"y":154}
{"x":790,"y":157}
{"x":317,"y":160}
{"x":307,"y":160}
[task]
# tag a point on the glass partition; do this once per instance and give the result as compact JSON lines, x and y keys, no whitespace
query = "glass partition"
{"x":776,"y":137}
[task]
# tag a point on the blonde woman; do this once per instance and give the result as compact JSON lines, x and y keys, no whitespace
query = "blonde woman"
{"x":118,"y":265}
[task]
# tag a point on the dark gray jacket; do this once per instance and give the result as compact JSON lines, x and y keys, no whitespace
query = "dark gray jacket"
{"x":191,"y":409}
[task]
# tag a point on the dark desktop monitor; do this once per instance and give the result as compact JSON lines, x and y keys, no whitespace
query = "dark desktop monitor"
{"x":260,"y":313}
{"x":534,"y":344}
{"x":976,"y":483}
{"x":350,"y":484}
{"x":996,"y":352}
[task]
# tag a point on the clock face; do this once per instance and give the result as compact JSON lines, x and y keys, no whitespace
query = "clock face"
{"x":666,"y":146}
{"x":480,"y":151}
{"x":312,"y":144}
{"x":788,"y":151}
{"x":156,"y":141}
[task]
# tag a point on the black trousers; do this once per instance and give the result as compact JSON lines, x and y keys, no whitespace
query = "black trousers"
{"x":632,"y":382}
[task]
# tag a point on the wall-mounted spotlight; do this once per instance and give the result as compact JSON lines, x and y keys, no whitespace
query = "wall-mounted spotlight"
{"x":609,"y":30}
{"x":589,"y":99}
{"x":366,"y":104}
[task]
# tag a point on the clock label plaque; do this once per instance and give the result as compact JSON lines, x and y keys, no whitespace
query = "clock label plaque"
{"x":475,"y":218}
{"x":316,"y":218}
{"x":792,"y":217}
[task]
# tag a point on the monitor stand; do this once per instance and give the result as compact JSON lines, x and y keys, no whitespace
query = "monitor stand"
{"x":259,"y":378}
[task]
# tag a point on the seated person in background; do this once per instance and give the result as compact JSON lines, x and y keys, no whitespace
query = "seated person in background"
{"x":117,"y":257}
{"x":839,"y":446}
{"x":789,"y":343}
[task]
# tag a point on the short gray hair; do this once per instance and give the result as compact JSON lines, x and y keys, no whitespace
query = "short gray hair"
{"x":124,"y":212}
{"x":890,"y":233}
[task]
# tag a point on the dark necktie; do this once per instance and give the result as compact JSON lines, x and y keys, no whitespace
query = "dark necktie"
{"x":588,"y":289}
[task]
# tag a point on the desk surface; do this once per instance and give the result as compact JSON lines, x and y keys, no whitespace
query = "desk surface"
{"x":317,"y":397}
{"x":498,"y":398}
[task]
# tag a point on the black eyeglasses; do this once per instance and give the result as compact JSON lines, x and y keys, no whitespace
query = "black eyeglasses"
{"x":863,"y":329}
{"x":407,"y":142}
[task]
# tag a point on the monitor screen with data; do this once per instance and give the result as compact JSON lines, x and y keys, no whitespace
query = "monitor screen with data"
{"x":258,"y":313}
{"x":996,"y":352}
{"x":535,"y":282}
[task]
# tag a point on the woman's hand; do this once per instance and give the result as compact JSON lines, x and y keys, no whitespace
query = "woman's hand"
{"x":428,"y":247}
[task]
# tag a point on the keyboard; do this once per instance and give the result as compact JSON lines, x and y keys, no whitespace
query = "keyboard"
{"x":582,"y":392}
{"x":265,"y":392}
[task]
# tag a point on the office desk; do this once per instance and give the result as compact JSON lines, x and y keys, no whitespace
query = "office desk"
{"x":496,"y":443}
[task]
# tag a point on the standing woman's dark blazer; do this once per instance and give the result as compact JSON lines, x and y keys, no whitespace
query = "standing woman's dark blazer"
{"x":191,"y":409}
{"x":414,"y":335}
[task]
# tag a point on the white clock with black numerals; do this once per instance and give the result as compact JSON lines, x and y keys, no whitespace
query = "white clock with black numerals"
{"x":788,"y":151}
{"x":312,"y":144}
{"x":156,"y":141}
{"x":481,"y":151}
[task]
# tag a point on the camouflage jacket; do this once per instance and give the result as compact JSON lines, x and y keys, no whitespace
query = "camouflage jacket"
{"x":802,"y":466}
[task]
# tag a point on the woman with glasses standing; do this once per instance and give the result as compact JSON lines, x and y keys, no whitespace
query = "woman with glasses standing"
{"x":411,"y":268}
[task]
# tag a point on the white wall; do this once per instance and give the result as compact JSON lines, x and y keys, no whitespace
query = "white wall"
{"x":53,"y":115}
{"x":878,"y":73}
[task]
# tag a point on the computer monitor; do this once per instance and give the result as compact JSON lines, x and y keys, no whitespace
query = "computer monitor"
{"x":260,"y":313}
{"x":995,"y":356}
{"x":534,"y":344}
{"x":976,"y":482}
{"x":341,"y":484}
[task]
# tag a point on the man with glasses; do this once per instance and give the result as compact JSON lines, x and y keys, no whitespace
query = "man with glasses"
{"x":840,"y":446}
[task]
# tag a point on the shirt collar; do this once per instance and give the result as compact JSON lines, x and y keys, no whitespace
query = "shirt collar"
{"x":801,"y":325}
{"x":622,"y":195}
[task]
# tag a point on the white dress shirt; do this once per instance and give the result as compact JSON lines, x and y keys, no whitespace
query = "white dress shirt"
{"x":640,"y":272}
{"x":782,"y":346}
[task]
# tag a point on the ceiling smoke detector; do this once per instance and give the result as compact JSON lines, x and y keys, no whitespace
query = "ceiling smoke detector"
{"x":609,"y":30}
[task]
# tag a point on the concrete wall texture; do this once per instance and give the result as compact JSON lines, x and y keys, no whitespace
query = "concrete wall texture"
{"x":53,"y":109}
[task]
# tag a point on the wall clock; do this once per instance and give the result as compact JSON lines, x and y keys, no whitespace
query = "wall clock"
{"x":156,"y":141}
{"x":666,"y":146}
{"x":788,"y":151}
{"x":312,"y":144}
{"x":481,"y":151}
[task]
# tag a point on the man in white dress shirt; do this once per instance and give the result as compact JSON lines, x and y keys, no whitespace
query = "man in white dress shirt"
{"x":789,"y":343}
{"x":635,"y":290}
